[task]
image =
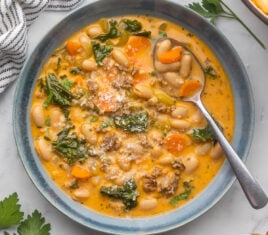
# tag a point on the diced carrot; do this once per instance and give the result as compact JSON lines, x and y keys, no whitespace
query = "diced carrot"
{"x":73,"y":47}
{"x":189,"y":88}
{"x":140,"y":77}
{"x":170,"y":56}
{"x":80,"y":172}
{"x":107,"y":100}
{"x":176,"y":143}
{"x":136,"y":45}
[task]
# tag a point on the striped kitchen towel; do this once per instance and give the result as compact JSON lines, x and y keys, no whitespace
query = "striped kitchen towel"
{"x":15,"y":18}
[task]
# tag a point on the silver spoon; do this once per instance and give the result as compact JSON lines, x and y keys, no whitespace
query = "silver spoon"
{"x":253,"y":191}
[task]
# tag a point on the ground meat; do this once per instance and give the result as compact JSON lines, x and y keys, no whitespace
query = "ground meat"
{"x":162,"y":108}
{"x":123,"y":81}
{"x":177,"y":164}
{"x":110,"y":143}
{"x":167,"y":184}
{"x":92,"y":86}
{"x":149,"y":183}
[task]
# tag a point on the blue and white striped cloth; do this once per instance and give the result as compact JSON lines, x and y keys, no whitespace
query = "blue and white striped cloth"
{"x":16,"y":16}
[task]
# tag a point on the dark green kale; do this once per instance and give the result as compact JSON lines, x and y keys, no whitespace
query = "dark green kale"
{"x":75,"y":70}
{"x":128,"y":193}
{"x":203,"y":135}
{"x":70,"y":147}
{"x":132,"y":25}
{"x":137,"y":122}
{"x":113,"y":32}
{"x":146,"y":34}
{"x":210,"y":71}
{"x":56,"y":92}
{"x":67,"y":83}
{"x":100,"y":51}
{"x":182,"y":196}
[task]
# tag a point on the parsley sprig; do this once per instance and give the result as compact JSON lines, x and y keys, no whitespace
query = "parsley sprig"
{"x":11,"y":215}
{"x":213,"y":9}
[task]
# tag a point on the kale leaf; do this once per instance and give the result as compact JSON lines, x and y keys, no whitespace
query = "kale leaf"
{"x":100,"y":51}
{"x":113,"y":32}
{"x":132,"y":25}
{"x":137,"y":122}
{"x":182,"y":196}
{"x":56,"y":92}
{"x":70,"y":147}
{"x":203,"y":135}
{"x":128,"y":193}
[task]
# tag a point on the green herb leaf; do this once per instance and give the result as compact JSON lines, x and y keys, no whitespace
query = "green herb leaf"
{"x":56,"y":92}
{"x":203,"y":135}
{"x":138,"y":122}
{"x":182,"y":196}
{"x":10,"y":213}
{"x":210,"y":71}
{"x":128,"y":193}
{"x":94,"y":118}
{"x":34,"y":225}
{"x":48,"y":121}
{"x":113,"y":32}
{"x":75,"y":70}
{"x":70,"y":147}
{"x":67,"y":84}
{"x":105,"y":124}
{"x":100,"y":52}
{"x":213,"y":9}
{"x":146,"y":34}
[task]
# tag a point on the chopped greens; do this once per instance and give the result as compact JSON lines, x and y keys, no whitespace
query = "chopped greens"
{"x":48,"y":121}
{"x":94,"y":118}
{"x":105,"y":124}
{"x":128,"y":193}
{"x":100,"y":51}
{"x":113,"y":32}
{"x":56,"y":92}
{"x":162,"y":30}
{"x":75,"y":70}
{"x":146,"y":34}
{"x":203,"y":135}
{"x":132,"y":25}
{"x":70,"y":147}
{"x":213,"y":9}
{"x":137,"y":122}
{"x":182,"y":196}
{"x":210,"y":71}
{"x":67,"y":83}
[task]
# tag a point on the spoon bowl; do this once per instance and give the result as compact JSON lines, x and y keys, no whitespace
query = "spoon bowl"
{"x":253,"y":191}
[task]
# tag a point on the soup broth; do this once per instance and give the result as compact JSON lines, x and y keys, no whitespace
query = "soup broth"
{"x":107,"y":130}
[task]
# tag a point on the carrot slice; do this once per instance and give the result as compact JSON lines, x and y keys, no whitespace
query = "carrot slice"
{"x":170,"y":56}
{"x":176,"y":143}
{"x":73,"y":47}
{"x":80,"y":172}
{"x":189,"y":88}
{"x":140,"y":77}
{"x":136,"y":45}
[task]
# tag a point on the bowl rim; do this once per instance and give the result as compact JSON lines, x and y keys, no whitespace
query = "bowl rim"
{"x":85,"y":216}
{"x":257,"y":11}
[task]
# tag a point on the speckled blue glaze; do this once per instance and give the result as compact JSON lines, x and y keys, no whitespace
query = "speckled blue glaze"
{"x":159,"y":8}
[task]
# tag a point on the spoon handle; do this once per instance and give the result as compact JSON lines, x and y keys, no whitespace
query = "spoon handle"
{"x":254,"y":193}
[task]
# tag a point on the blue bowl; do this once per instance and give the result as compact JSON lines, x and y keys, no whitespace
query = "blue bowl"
{"x":158,"y":8}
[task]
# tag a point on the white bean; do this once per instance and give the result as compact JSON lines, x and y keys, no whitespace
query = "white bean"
{"x":143,"y":91}
{"x":81,"y":193}
{"x":120,"y":57}
{"x":43,"y":149}
{"x":197,"y":117}
{"x":216,"y":152}
{"x":191,"y":163}
{"x":148,"y":204}
{"x":203,"y":149}
{"x":156,"y":152}
{"x":166,"y":160}
{"x":179,"y":112}
{"x":38,"y":115}
{"x":163,"y":68}
{"x":95,"y":180}
{"x":163,"y":46}
{"x":89,"y":65}
{"x":57,"y":118}
{"x":180,"y":124}
{"x":90,"y":136}
{"x":186,"y":65}
{"x":124,"y":162}
{"x":174,"y":79}
{"x":94,"y":31}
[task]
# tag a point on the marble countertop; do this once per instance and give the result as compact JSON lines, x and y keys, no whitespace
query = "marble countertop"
{"x":232,"y":214}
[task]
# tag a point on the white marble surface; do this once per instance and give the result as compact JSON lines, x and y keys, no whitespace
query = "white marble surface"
{"x":232,"y":214}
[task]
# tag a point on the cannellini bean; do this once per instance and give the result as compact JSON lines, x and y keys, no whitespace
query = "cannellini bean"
{"x":156,"y":152}
{"x":124,"y":162}
{"x":94,"y":31}
{"x":95,"y":180}
{"x":155,"y":135}
{"x":57,"y":118}
{"x":197,"y":117}
{"x":163,"y":118}
{"x":89,"y":65}
{"x":163,"y":68}
{"x":216,"y":151}
{"x":81,"y":193}
{"x":38,"y":115}
{"x":203,"y":149}
{"x":90,"y":136}
{"x":134,"y":148}
{"x":43,"y":149}
{"x":186,"y":65}
{"x":148,"y":204}
{"x":191,"y":163}
{"x":174,"y":79}
{"x":120,"y":57}
{"x":164,"y":46}
{"x":180,"y":124}
{"x":179,"y":112}
{"x":166,"y":160}
{"x":84,"y":39}
{"x":143,"y":91}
